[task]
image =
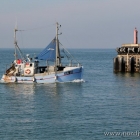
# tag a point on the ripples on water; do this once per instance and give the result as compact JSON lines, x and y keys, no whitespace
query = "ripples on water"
{"x":103,"y":102}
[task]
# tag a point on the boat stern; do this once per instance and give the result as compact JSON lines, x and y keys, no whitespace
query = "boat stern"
{"x":8,"y":79}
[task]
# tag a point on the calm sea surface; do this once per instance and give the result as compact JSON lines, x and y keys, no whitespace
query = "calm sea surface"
{"x":105,"y":102}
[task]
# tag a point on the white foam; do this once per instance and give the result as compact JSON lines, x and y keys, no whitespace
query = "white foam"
{"x":1,"y":81}
{"x":78,"y":80}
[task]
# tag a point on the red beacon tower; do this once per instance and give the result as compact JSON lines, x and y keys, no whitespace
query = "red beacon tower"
{"x":135,"y":36}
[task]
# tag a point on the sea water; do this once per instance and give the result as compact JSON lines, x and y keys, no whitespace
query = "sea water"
{"x":104,"y":105}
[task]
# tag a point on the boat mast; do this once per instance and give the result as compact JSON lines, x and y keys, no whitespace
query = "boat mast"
{"x":15,"y":42}
{"x":58,"y":58}
{"x":16,"y":45}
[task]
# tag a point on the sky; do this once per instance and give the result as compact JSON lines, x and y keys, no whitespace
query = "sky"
{"x":84,"y":23}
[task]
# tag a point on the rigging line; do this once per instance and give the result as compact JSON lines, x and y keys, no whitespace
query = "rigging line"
{"x":69,"y":53}
{"x":22,"y":53}
{"x":22,"y":39}
{"x":38,"y":28}
{"x":65,"y":54}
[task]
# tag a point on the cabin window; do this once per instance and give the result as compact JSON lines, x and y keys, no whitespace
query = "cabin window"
{"x":68,"y":72}
{"x":30,"y":65}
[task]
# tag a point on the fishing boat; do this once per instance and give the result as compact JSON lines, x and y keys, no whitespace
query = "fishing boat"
{"x":30,"y":70}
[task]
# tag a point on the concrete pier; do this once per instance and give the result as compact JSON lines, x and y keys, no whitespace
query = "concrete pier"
{"x":128,"y":58}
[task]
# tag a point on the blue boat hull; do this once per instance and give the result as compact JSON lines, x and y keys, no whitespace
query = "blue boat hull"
{"x":64,"y":76}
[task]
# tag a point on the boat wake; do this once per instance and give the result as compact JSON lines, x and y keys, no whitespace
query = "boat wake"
{"x":2,"y":82}
{"x":78,"y":81}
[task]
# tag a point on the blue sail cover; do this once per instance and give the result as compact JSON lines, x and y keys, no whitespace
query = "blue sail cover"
{"x":49,"y":53}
